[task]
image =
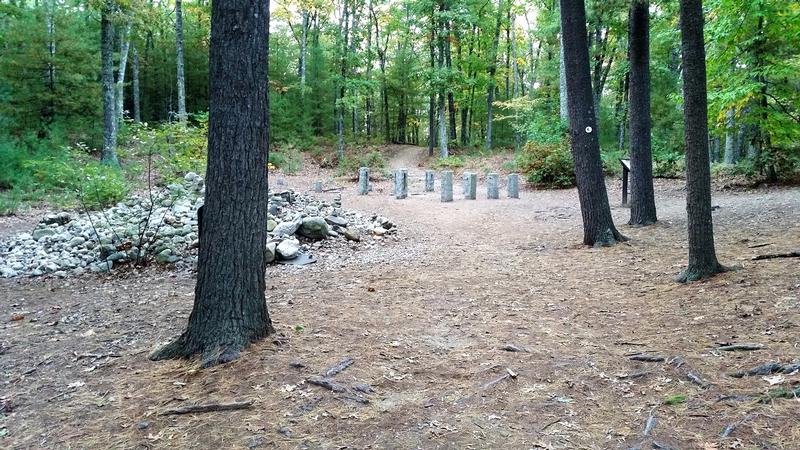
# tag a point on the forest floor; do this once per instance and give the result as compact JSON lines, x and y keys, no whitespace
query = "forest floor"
{"x":427,"y":333}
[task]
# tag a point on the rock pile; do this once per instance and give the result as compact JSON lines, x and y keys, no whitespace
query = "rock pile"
{"x":163,"y":228}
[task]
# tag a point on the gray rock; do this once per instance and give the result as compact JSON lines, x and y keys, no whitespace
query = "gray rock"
{"x":314,"y":228}
{"x":42,"y":232}
{"x":271,"y":224}
{"x":166,"y":257}
{"x":352,"y":235}
{"x":337,"y":221}
{"x":102,"y":267}
{"x":60,"y":219}
{"x":288,"y":249}
{"x":76,"y":241}
{"x":287,"y":228}
{"x":117,"y":256}
{"x":7,"y":272}
{"x":271,"y":249}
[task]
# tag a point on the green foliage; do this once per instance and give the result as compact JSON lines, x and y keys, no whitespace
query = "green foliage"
{"x":668,"y":164}
{"x":676,"y":399}
{"x":34,"y":171}
{"x":287,"y":158}
{"x":373,"y":159}
{"x":547,"y":165}
{"x":450,"y":162}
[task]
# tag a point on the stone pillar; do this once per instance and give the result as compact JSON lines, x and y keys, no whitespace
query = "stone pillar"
{"x":401,"y":184}
{"x":470,"y":186}
{"x":447,"y":186}
{"x":318,"y":186}
{"x":493,"y":186}
{"x":513,"y":185}
{"x":363,"y":181}
{"x":429,"y":180}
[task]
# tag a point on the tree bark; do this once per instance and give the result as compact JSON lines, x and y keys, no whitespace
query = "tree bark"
{"x":432,"y":100}
{"x":562,"y":82}
{"x":109,"y":153}
{"x":343,"y":25}
{"x":179,"y":61}
{"x":731,"y":153}
{"x":643,"y":204}
{"x":137,"y":108}
{"x":451,"y":101}
{"x":303,"y":50}
{"x":492,"y":72}
{"x":124,"y":46}
{"x":702,"y":255}
{"x":443,"y":136}
{"x":598,"y":226}
{"x":230,"y":309}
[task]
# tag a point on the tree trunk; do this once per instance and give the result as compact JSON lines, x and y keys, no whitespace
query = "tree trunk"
{"x":124,"y":46}
{"x":432,"y":100}
{"x":109,"y":154}
{"x":492,"y":72}
{"x":137,"y":108}
{"x":517,"y":82}
{"x":598,"y":226}
{"x":562,"y":82}
{"x":303,"y":50}
{"x":451,"y":101}
{"x":643,"y":204}
{"x":179,"y":61}
{"x":442,"y":35}
{"x":50,"y":24}
{"x":702,"y":256}
{"x":731,"y":153}
{"x":344,"y":24}
{"x":230,"y":309}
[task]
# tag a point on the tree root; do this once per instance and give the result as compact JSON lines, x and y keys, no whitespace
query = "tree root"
{"x":701,"y":273}
{"x":209,"y":408}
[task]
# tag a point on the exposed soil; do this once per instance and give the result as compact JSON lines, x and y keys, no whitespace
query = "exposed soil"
{"x":426,"y":332}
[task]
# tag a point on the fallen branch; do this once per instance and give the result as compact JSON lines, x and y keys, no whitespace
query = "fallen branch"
{"x":327,"y":384}
{"x":494,"y":382}
{"x":794,"y":254}
{"x":646,"y":358}
{"x":338,"y":368}
{"x":631,"y":376}
{"x":767,"y":369}
{"x":741,"y":347}
{"x":649,"y":425}
{"x":696,"y":380}
{"x":760,"y":245}
{"x":514,"y":348}
{"x":211,"y":407}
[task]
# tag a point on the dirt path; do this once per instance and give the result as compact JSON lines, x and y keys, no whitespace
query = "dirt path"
{"x":426,"y":333}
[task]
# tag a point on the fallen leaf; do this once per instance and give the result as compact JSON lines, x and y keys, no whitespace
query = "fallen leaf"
{"x":17,"y":317}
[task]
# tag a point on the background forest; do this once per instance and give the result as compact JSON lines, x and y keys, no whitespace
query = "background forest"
{"x":465,"y":78}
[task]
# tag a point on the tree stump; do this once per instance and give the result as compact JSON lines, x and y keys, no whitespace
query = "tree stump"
{"x":513,"y":185}
{"x":493,"y":186}
{"x":429,"y":181}
{"x":363,"y":181}
{"x":401,"y":184}
{"x":470,"y":186}
{"x":447,"y":186}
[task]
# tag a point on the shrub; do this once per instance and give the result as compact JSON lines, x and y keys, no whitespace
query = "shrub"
{"x":547,"y":165}
{"x":668,"y":164}
{"x":449,"y":162}
{"x":372,"y":159}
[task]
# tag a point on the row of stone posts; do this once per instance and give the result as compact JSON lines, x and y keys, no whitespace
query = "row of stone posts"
{"x":470,"y":182}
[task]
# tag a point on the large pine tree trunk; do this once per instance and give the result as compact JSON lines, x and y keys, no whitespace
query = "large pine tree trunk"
{"x":643,"y":204}
{"x":443,"y":136}
{"x":451,"y":101}
{"x":109,"y":153}
{"x":598,"y":226}
{"x":432,"y":99}
{"x":702,"y":255}
{"x":179,"y":61}
{"x":230,"y":309}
